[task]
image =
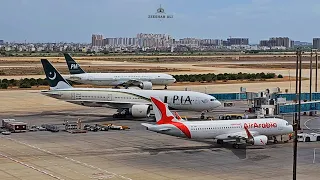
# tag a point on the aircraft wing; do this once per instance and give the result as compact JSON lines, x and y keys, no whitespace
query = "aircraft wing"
{"x":114,"y":104}
{"x":132,"y":82}
{"x":241,"y":134}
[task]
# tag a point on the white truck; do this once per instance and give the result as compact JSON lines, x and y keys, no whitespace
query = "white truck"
{"x":308,"y":137}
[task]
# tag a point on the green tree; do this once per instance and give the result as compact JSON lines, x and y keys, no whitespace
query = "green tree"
{"x":4,"y":85}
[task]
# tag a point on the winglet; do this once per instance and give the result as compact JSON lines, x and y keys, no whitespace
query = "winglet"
{"x":161,"y":111}
{"x":73,"y":66}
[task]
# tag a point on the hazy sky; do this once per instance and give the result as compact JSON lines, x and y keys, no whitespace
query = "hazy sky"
{"x":76,"y":20}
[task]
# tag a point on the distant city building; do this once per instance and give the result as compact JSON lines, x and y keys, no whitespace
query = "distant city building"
{"x":300,"y":43}
{"x":277,"y":42}
{"x":1,"y":42}
{"x":316,"y":43}
{"x":211,"y":42}
{"x":237,"y":41}
{"x":97,"y":40}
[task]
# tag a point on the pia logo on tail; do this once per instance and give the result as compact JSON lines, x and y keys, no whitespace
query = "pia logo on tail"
{"x":74,"y":66}
{"x":52,"y":76}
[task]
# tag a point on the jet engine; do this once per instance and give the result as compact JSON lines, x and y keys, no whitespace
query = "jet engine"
{"x":260,"y":140}
{"x":145,"y":85}
{"x":140,"y":111}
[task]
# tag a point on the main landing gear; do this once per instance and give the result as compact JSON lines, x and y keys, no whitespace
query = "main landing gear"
{"x":122,"y":113}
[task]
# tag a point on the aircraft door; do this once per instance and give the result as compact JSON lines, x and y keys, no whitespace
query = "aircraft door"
{"x":109,"y":97}
{"x":197,"y":100}
{"x":78,"y":95}
{"x":73,"y":97}
{"x":165,"y":100}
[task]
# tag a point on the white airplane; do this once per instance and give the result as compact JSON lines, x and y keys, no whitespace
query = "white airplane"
{"x":134,"y":102}
{"x":142,"y":80}
{"x":253,"y":131}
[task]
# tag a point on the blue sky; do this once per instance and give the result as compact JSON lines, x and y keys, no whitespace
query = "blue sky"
{"x":76,"y":20}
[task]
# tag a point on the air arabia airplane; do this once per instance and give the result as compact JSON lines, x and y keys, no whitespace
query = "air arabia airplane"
{"x":247,"y":131}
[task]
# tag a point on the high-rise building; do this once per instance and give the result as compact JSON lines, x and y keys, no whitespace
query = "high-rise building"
{"x":264,"y":43}
{"x":211,"y":42}
{"x":316,"y":43}
{"x":154,"y":40}
{"x":277,"y":42}
{"x":97,"y":40}
{"x":238,"y":41}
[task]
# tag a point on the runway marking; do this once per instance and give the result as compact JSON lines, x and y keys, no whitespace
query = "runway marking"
{"x":70,"y":159}
{"x":31,"y":167}
{"x":305,"y":123}
{"x":56,"y":164}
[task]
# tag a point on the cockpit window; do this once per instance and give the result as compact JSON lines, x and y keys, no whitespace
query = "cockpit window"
{"x":212,"y":99}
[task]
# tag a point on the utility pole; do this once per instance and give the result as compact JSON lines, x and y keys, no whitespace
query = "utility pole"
{"x":296,"y":122}
{"x":311,"y":68}
{"x":316,"y":85}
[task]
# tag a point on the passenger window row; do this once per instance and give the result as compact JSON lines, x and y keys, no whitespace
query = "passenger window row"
{"x":209,"y":128}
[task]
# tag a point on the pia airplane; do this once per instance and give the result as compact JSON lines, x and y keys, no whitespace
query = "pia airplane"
{"x":252,"y":131}
{"x":134,"y":102}
{"x":142,"y":80}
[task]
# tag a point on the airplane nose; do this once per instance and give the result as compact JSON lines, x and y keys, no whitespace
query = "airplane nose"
{"x":290,"y":128}
{"x":218,"y":103}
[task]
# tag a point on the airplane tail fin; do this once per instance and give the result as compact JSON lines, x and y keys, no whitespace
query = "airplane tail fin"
{"x":54,"y":78}
{"x":73,"y":66}
{"x":162,"y":112}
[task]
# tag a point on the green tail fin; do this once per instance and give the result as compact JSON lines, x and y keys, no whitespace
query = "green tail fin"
{"x":56,"y":81}
{"x":74,"y":67}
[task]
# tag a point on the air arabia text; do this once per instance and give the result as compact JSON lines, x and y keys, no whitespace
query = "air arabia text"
{"x":260,"y":125}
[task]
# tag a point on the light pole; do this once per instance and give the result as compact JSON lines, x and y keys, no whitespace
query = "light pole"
{"x":310,"y":93}
{"x":316,"y":85}
{"x":296,"y":123}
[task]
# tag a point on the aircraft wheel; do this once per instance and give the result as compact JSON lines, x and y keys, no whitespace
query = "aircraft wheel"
{"x":236,"y":146}
{"x":219,"y":141}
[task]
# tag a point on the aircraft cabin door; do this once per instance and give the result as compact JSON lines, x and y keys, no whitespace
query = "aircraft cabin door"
{"x":197,"y":100}
{"x":165,"y":100}
{"x":73,"y":97}
{"x":78,"y":95}
{"x":109,"y":97}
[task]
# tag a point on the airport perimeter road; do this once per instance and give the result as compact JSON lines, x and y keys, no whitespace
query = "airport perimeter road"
{"x":139,"y":154}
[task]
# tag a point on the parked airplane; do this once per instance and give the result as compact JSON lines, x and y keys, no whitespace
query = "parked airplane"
{"x":253,"y":131}
{"x":135,"y":102}
{"x":142,"y":80}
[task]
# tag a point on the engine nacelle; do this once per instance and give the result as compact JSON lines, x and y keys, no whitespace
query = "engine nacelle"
{"x":140,"y":111}
{"x":145,"y":85}
{"x":260,"y":140}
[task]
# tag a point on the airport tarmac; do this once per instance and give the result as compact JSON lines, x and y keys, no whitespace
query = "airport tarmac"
{"x":139,"y":154}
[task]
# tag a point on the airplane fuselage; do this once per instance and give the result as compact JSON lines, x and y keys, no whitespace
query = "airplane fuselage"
{"x":125,"y":98}
{"x":114,"y":79}
{"x":223,"y":129}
